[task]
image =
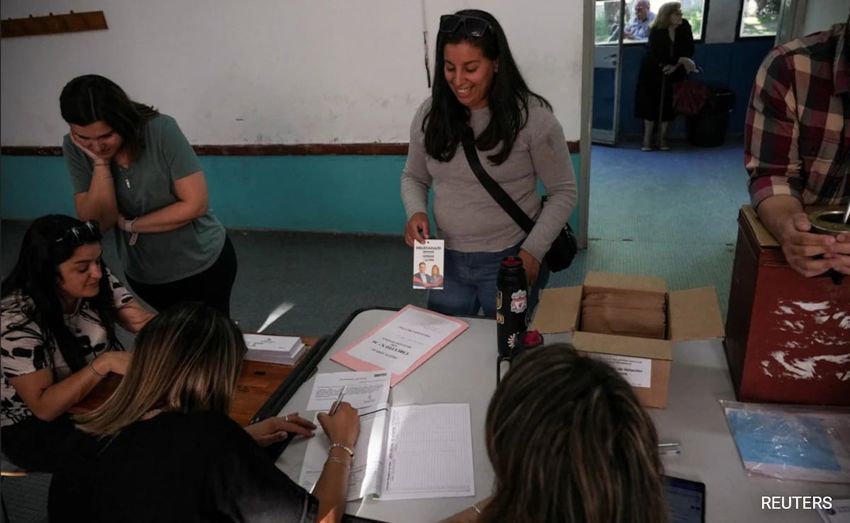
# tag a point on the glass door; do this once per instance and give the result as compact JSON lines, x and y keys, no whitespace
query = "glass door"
{"x":608,"y":45}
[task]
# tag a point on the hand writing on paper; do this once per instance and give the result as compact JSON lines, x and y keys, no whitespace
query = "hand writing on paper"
{"x":272,"y":430}
{"x":343,"y":427}
{"x":416,"y":229}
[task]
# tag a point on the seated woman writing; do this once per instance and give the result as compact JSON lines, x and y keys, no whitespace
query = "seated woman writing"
{"x":164,"y":448}
{"x":569,"y":442}
{"x":59,"y":309}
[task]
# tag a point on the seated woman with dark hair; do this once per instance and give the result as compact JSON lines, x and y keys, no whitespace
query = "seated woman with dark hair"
{"x":569,"y":442}
{"x":164,"y":448}
{"x":59,"y":309}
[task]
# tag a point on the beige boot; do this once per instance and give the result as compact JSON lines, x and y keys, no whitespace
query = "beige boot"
{"x":662,"y":137}
{"x":647,"y":135}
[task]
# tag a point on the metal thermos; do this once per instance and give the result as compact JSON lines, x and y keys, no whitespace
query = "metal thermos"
{"x":511,"y":306}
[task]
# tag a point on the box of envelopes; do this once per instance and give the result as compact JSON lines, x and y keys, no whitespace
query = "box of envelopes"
{"x":631,"y":322}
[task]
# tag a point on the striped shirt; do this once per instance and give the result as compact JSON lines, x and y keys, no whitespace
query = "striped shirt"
{"x":797,"y":140}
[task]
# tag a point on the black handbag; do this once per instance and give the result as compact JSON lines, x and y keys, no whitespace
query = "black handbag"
{"x":563,"y":248}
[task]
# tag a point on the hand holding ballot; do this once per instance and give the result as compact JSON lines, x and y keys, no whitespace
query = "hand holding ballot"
{"x":428,"y":264}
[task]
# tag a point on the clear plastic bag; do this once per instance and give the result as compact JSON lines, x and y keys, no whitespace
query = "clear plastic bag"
{"x":791,"y":442}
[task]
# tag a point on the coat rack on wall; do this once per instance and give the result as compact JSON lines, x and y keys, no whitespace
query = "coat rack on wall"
{"x":53,"y":24}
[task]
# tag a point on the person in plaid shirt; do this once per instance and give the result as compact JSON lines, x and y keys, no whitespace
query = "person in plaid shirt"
{"x":797,"y":145}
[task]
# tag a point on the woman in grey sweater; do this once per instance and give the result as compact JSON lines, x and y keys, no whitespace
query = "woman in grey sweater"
{"x":518,"y":139}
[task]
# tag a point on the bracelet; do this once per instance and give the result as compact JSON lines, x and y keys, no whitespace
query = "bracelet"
{"x":130,"y":225}
{"x":476,"y":509}
{"x":343,"y":447}
{"x":96,"y":164}
{"x":332,"y":459}
{"x":91,"y":366}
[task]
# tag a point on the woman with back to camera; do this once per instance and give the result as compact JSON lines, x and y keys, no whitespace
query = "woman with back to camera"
{"x":164,"y":448}
{"x":132,"y":168}
{"x":667,"y":61}
{"x":477,"y":84}
{"x":60,"y":306}
{"x":569,"y":443}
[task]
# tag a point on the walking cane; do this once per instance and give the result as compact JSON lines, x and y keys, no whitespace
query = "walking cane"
{"x":657,"y":130}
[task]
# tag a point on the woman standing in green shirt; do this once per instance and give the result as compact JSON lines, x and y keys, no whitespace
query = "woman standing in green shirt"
{"x":133,"y":169}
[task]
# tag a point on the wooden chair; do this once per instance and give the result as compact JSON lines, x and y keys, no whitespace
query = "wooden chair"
{"x":8,"y":470}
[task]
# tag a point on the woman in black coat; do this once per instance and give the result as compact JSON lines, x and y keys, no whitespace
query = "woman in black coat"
{"x":667,"y":61}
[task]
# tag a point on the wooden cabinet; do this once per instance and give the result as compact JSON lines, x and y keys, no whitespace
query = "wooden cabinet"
{"x":787,"y":336}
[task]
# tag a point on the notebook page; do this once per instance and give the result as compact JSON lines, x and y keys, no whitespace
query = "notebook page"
{"x":428,"y":452}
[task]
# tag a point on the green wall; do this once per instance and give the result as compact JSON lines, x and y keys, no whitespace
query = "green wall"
{"x":304,"y":193}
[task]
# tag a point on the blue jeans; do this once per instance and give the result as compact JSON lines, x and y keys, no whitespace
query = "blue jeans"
{"x":470,"y":283}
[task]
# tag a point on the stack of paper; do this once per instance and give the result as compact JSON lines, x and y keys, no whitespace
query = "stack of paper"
{"x":283,"y":350}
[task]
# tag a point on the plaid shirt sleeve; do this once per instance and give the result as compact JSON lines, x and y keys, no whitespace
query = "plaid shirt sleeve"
{"x":771,"y":154}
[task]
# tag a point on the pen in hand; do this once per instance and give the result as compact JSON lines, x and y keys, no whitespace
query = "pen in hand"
{"x":335,"y":406}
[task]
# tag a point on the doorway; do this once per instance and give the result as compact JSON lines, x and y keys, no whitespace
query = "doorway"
{"x":609,"y":18}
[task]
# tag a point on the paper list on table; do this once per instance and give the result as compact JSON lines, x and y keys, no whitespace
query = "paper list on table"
{"x":429,"y":452}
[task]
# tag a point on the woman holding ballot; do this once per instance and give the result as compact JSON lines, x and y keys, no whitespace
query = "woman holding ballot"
{"x":164,"y":449}
{"x":60,"y":307}
{"x":477,"y":85}
{"x":132,"y":169}
{"x":569,"y":442}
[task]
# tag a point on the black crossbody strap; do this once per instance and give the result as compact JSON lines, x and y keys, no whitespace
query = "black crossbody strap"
{"x":502,"y":198}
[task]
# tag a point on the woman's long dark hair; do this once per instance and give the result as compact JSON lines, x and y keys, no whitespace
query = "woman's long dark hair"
{"x":508,"y":97}
{"x":36,"y":275}
{"x":91,"y":98}
{"x":569,"y":442}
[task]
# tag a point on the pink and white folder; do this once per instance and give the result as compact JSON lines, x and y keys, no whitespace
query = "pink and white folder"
{"x":402,"y":343}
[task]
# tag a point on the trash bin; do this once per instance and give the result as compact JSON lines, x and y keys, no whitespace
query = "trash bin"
{"x":708,"y":127}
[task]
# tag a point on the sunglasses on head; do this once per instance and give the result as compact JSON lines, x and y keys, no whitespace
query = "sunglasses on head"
{"x":472,"y":25}
{"x":88,"y":232}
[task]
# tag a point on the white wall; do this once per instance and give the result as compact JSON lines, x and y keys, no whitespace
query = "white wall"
{"x":272,"y":71}
{"x":821,"y":14}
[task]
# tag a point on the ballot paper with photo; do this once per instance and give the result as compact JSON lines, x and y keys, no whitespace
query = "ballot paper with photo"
{"x":269,"y":348}
{"x":401,"y":343}
{"x":404,"y":452}
{"x":428,"y":266}
{"x":365,"y":391}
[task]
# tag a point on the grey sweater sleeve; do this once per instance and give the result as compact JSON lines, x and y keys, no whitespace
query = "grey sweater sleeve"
{"x":415,"y":179}
{"x":552,"y":165}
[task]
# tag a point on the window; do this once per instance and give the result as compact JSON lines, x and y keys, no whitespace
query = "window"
{"x":759,"y":18}
{"x":607,"y":21}
{"x":694,"y":12}
{"x":639,"y":17}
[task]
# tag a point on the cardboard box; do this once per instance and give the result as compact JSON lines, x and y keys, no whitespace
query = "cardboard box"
{"x":788,"y":336}
{"x":644,"y":362}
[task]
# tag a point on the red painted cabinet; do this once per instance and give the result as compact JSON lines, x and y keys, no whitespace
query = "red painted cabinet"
{"x":787,"y":336}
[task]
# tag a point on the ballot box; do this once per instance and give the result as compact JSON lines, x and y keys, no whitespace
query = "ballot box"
{"x":787,"y":336}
